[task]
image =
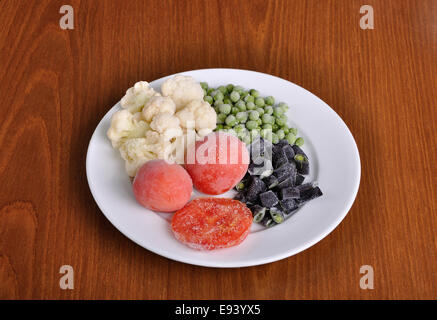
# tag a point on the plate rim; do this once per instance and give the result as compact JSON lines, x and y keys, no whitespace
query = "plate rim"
{"x":260,"y":261}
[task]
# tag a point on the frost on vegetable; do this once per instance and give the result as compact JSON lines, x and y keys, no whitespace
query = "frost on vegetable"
{"x":182,"y":90}
{"x":156,"y":105}
{"x":198,"y":115}
{"x":137,"y":96}
{"x":125,"y":125}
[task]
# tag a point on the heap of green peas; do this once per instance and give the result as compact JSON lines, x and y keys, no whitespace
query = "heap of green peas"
{"x":247,"y":115}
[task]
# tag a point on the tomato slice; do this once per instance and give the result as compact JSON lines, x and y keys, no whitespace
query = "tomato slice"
{"x":212,"y":223}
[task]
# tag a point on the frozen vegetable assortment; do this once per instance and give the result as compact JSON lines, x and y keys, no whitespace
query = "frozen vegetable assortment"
{"x":213,"y":139}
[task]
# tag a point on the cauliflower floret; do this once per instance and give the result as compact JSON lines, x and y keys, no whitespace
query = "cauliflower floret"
{"x":136,"y":152}
{"x":163,"y":121}
{"x":182,"y":89}
{"x":125,"y":125}
{"x":158,"y":105}
{"x":206,"y":119}
{"x":199,"y":114}
{"x":137,"y":96}
{"x":152,"y":137}
{"x":167,"y":125}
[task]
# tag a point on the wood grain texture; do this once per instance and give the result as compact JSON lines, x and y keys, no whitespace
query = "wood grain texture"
{"x":57,"y":84}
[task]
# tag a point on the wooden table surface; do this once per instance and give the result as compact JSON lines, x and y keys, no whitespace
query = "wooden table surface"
{"x":57,"y":84}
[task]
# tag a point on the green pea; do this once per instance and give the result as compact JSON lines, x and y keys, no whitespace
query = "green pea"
{"x":210,"y":91}
{"x":254,"y":115}
{"x":208,"y":99}
{"x":275,"y":127}
{"x":239,"y":127}
{"x":223,"y":89}
{"x":285,"y":129}
{"x":241,"y":117}
{"x":283,"y":106}
{"x":270,"y":100}
{"x":275,"y":138}
{"x":281,"y":121}
{"x":267,"y":118}
{"x":231,"y":120}
{"x":235,"y":96}
{"x":254,"y":93}
{"x":260,"y":111}
{"x":227,"y":100}
{"x":250,"y":106}
{"x":291,"y":138}
{"x":299,"y":142}
{"x":224,"y":108}
{"x":268,"y":109}
{"x":249,"y":98}
{"x":221,"y":118}
{"x":204,"y":92}
{"x":219,"y":126}
{"x":219,"y":96}
{"x":259,"y":102}
{"x":235,"y":110}
{"x":244,"y":94}
{"x":280,"y":133}
{"x":259,"y":121}
{"x":239,"y":89}
{"x":251,"y":124}
{"x":267,"y":126}
{"x":226,"y":127}
{"x":241,"y":105}
{"x":204,"y":85}
{"x":217,"y":103}
{"x":241,"y":134}
{"x":293,"y":131}
{"x":230,"y":87}
{"x":277,"y":111}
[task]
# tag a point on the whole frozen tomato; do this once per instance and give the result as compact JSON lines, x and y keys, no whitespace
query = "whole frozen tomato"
{"x":217,"y":163}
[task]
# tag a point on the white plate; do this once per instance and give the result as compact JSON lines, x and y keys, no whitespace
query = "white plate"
{"x":334,"y":163}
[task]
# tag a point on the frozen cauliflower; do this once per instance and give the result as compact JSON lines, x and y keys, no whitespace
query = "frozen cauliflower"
{"x":200,"y":115}
{"x":136,"y":152}
{"x":137,"y":96}
{"x":158,"y":104}
{"x":167,"y":125}
{"x":182,"y":89}
{"x":125,"y":125}
{"x":151,"y":126}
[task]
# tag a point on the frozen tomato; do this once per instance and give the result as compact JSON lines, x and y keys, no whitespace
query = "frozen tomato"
{"x":162,"y":186}
{"x":212,"y":223}
{"x":217,"y":163}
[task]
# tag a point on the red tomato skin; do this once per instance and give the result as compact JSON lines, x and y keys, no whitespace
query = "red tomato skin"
{"x":161,"y":186}
{"x":227,"y":163}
